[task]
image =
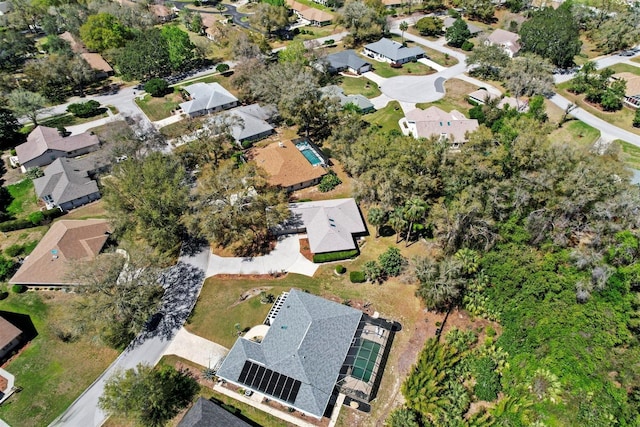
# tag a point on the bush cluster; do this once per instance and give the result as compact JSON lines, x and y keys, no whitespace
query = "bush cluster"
{"x":335,"y":256}
{"x":85,"y":109}
{"x":329,"y":182}
{"x":33,"y":220}
{"x":340,"y":269}
{"x":357,"y":277}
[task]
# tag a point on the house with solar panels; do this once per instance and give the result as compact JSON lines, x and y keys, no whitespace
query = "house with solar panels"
{"x":312,"y":351}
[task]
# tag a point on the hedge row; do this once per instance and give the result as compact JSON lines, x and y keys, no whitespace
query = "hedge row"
{"x":35,"y":219}
{"x":335,"y":256}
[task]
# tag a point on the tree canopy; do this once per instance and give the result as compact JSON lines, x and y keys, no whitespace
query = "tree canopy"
{"x":103,"y":31}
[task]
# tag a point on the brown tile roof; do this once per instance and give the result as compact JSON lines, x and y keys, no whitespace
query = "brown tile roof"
{"x":45,"y":138}
{"x":285,"y":164}
{"x":97,"y":62}
{"x":8,"y":332}
{"x":309,"y":13}
{"x":633,"y":83}
{"x":208,"y":19}
{"x":66,"y":240}
{"x":76,"y":46}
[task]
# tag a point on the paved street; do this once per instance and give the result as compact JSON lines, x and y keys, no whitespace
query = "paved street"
{"x":180,"y":297}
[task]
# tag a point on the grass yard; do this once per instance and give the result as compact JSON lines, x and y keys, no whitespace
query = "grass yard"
{"x":52,"y":373}
{"x":625,"y":68}
{"x":622,"y":118}
{"x":311,"y":32}
{"x":65,"y":120}
{"x":455,"y":98}
{"x":386,"y":118}
{"x":383,"y":69}
{"x":432,"y":54}
{"x":222,"y":79}
{"x":631,"y":154}
{"x":359,"y":85}
{"x":576,"y":132}
{"x":24,"y":198}
{"x":159,"y":108}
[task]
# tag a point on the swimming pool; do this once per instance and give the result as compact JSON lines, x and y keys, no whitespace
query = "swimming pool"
{"x":309,"y":153}
{"x":365,"y":360}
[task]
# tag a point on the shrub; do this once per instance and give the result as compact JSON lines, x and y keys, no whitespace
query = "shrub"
{"x":52,"y":213}
{"x":14,"y":250}
{"x":36,"y":217}
{"x":222,"y":68}
{"x":14,"y":152}
{"x":7,"y":267}
{"x":335,"y":256}
{"x":340,"y":269}
{"x":357,"y":277}
{"x":156,"y":87}
{"x":392,"y":262}
{"x":33,"y":173}
{"x":329,"y":42}
{"x":487,"y":380}
{"x":636,"y":119}
{"x":329,"y":182}
{"x":4,"y":295}
{"x":18,"y":289}
{"x":85,"y":109}
{"x":467,"y":46}
{"x":17,"y":224}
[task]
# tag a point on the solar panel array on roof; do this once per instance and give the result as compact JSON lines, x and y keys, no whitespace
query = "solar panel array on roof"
{"x":269,"y":382}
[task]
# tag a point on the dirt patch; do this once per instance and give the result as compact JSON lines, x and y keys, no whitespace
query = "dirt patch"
{"x":250,"y":294}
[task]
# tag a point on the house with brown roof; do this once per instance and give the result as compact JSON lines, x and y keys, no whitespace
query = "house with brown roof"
{"x":45,"y":144}
{"x":315,"y":17}
{"x":510,"y":42}
{"x":291,"y":165}
{"x":162,"y":12}
{"x":67,"y":241}
{"x":95,"y":60}
{"x":434,"y":122}
{"x":632,"y":91}
{"x":10,"y":336}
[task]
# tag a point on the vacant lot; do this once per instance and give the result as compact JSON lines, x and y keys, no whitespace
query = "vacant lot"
{"x":359,"y":85}
{"x":52,"y":373}
{"x":161,"y":107}
{"x":455,"y":98}
{"x":24,"y":198}
{"x":386,"y":118}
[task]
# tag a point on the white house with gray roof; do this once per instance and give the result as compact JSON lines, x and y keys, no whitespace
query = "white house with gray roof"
{"x":299,"y":359}
{"x":249,"y":123}
{"x":66,"y":184}
{"x":360,"y":101}
{"x":347,"y":60}
{"x":387,"y":50}
{"x":207,"y":98}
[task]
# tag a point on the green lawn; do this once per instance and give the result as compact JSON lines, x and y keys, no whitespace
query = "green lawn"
{"x":432,"y":54}
{"x":51,"y":373}
{"x":576,"y":131}
{"x":383,"y":69}
{"x":386,"y":118}
{"x":625,"y":68}
{"x":359,"y":85}
{"x":24,"y":198}
{"x":159,"y":108}
{"x":631,"y":154}
{"x":65,"y":120}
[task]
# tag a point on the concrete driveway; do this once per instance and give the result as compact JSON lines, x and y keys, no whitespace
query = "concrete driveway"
{"x":196,"y":349}
{"x":285,"y":257}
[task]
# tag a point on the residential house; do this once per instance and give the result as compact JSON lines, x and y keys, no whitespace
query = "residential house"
{"x":66,"y":184}
{"x":209,"y":22}
{"x":95,"y":60}
{"x":387,"y":50}
{"x":434,"y":122}
{"x":66,"y":242}
{"x":205,"y":413}
{"x":330,"y":225}
{"x":162,"y":13}
{"x":347,"y":60}
{"x":509,"y":41}
{"x":632,"y":91}
{"x":360,"y":101}
{"x":313,"y":16}
{"x":207,"y":98}
{"x":45,"y":144}
{"x":10,"y":337}
{"x":249,"y":123}
{"x":312,"y":350}
{"x":481,"y":96}
{"x":393,"y":4}
{"x":449,"y":20}
{"x":291,"y":165}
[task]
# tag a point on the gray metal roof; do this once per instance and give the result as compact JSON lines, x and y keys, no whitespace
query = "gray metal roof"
{"x":393,"y":50}
{"x":205,"y":413}
{"x":65,"y":180}
{"x":308,"y":341}
{"x":358,"y":100}
{"x":346,"y":58}
{"x":206,"y":96}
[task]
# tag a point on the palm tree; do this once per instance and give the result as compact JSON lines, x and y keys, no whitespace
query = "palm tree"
{"x":376,"y":218}
{"x":403,"y":27}
{"x":469,"y":259}
{"x":414,"y":210}
{"x":397,"y":222}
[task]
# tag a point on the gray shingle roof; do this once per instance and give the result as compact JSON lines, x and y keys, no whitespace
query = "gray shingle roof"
{"x":393,"y":50}
{"x":358,"y":100}
{"x":65,"y":180}
{"x":308,"y":341}
{"x":346,"y":58}
{"x":206,"y":96}
{"x":205,"y":413}
{"x":252,"y":121}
